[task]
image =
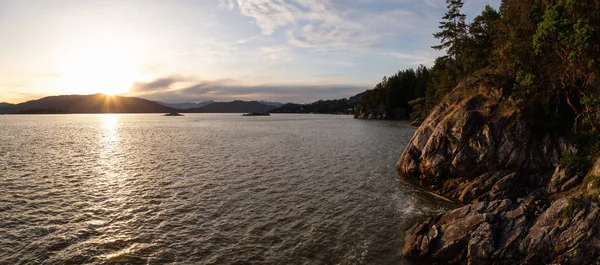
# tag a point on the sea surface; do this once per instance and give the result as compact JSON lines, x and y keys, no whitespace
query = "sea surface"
{"x":204,"y":189}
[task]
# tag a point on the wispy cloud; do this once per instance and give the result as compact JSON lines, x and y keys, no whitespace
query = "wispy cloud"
{"x":279,"y":52}
{"x":325,"y":25}
{"x":433,"y":3}
{"x":416,"y":58}
{"x":162,"y":89}
{"x":160,"y":84}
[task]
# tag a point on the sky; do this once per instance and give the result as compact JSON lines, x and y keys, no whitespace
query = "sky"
{"x":190,"y":51}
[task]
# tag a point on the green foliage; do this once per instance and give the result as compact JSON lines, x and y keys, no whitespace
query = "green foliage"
{"x":418,"y":105}
{"x":442,"y":80}
{"x":483,"y":32}
{"x":589,"y":188}
{"x":336,"y":106}
{"x":579,"y":163}
{"x":396,"y":92}
{"x":575,"y":204}
{"x":568,"y":36}
{"x":591,"y":179}
{"x":547,"y":50}
{"x":574,"y":164}
{"x":587,"y":141}
{"x":551,"y":48}
{"x":591,"y":105}
{"x":417,"y":102}
{"x":524,"y":85}
{"x":453,"y":28}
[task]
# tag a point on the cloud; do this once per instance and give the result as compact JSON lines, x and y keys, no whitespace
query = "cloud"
{"x":13,"y":84}
{"x":432,"y":3}
{"x":277,"y":53}
{"x":156,"y":85}
{"x":416,"y":58}
{"x":326,"y":25}
{"x":246,"y":40}
{"x":227,"y":89}
{"x":227,"y":4}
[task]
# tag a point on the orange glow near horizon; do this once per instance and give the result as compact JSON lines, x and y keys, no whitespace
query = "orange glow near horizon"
{"x":111,"y":104}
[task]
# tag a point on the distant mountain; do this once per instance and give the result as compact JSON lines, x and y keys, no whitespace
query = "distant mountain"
{"x":271,"y":103}
{"x":183,"y":106}
{"x":335,"y":106}
{"x":236,"y":106}
{"x":97,"y":103}
{"x":6,"y":107}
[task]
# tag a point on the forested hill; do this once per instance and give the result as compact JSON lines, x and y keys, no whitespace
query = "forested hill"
{"x":334,"y":106}
{"x":96,"y":103}
{"x":391,"y":98}
{"x":236,"y":106}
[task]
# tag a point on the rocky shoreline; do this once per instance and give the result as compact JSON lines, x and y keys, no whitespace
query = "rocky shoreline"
{"x":521,"y":207}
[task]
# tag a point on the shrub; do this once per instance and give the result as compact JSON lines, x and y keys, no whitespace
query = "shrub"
{"x":574,"y":205}
{"x":575,"y":164}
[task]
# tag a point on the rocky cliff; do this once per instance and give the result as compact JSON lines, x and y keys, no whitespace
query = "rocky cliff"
{"x":483,"y":150}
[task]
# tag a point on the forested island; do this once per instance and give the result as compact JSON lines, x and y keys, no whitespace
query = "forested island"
{"x":334,"y":106}
{"x":510,"y":118}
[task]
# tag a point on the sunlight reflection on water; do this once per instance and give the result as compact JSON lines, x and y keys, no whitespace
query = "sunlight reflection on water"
{"x":203,"y":189}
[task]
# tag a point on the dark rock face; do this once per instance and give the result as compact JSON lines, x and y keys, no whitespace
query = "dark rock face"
{"x":478,"y":233}
{"x":470,"y":134}
{"x":476,"y":149}
{"x":559,"y":239}
{"x":501,"y":232}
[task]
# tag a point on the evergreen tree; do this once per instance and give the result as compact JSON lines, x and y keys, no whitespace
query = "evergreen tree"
{"x":483,"y":32}
{"x":453,"y":30}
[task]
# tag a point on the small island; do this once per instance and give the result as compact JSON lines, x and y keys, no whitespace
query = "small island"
{"x":257,"y":114}
{"x":173,"y":114}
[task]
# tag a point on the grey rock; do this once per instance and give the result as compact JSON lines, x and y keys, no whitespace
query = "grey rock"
{"x":472,"y":150}
{"x":559,"y":239}
{"x":467,"y":136}
{"x":477,"y":233}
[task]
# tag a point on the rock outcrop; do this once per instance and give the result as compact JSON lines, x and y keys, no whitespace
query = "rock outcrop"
{"x":479,"y":149}
{"x":472,"y":132}
{"x":502,"y":232}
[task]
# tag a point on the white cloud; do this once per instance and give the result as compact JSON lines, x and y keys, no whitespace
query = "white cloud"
{"x":227,"y":4}
{"x":277,"y":53}
{"x":326,"y":25}
{"x":434,"y":3}
{"x":416,"y":58}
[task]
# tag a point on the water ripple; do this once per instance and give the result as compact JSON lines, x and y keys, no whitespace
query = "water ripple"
{"x":203,"y":189}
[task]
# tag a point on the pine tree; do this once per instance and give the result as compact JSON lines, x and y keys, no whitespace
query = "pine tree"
{"x":453,"y":30}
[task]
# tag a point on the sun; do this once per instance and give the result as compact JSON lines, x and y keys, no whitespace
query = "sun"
{"x":108,"y":68}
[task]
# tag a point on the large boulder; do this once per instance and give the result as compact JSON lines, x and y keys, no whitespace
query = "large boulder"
{"x":478,"y":233}
{"x":566,"y":233}
{"x":502,"y":232}
{"x":522,"y":206}
{"x":473,"y":132}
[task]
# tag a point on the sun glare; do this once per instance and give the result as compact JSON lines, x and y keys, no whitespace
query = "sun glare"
{"x":103,"y":68}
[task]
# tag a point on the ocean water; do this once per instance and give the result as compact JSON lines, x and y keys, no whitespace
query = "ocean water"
{"x":204,"y":189}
